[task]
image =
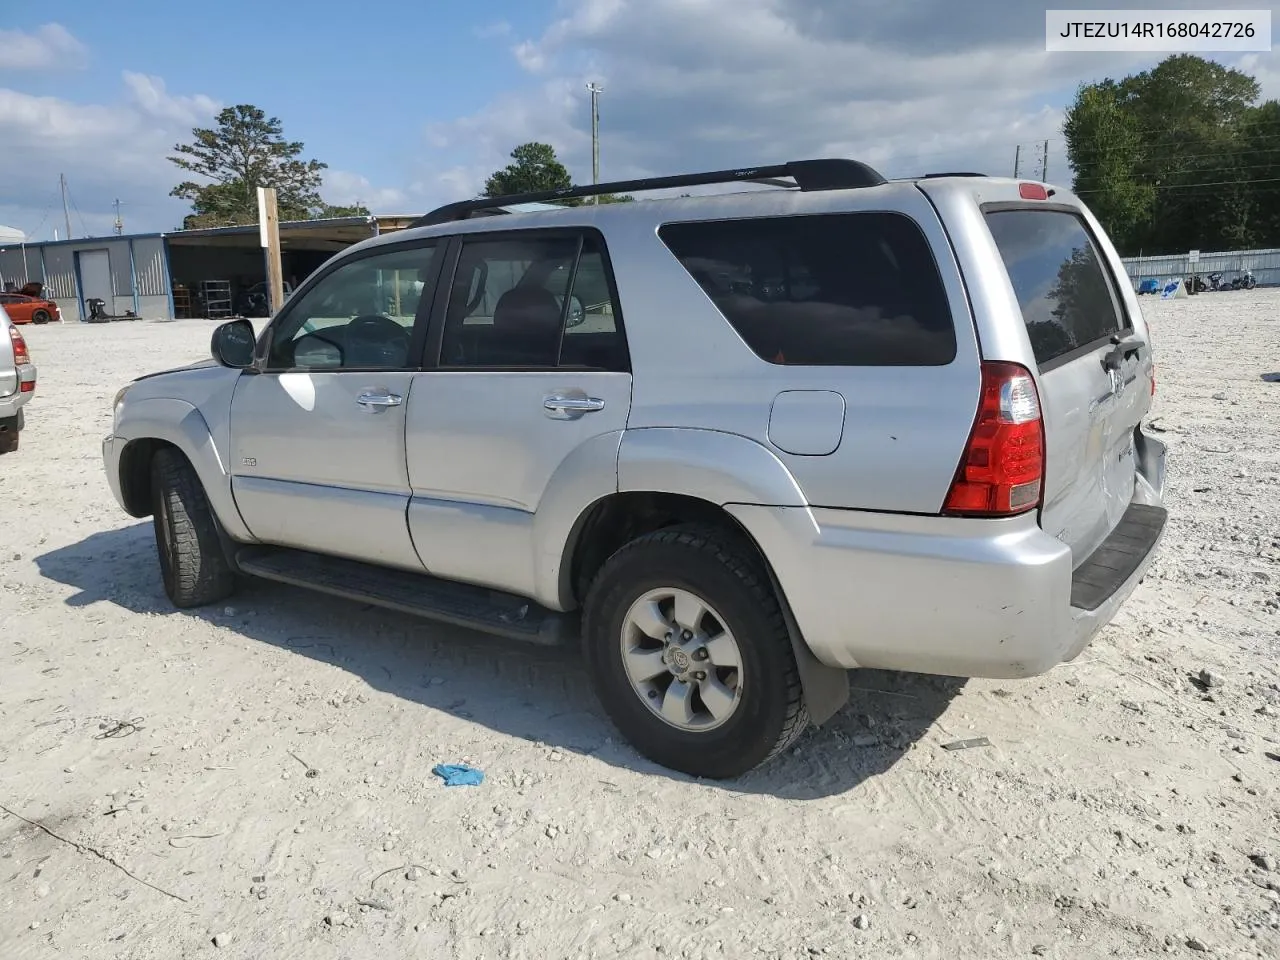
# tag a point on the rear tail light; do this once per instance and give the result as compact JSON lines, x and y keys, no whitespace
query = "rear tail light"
{"x":1153,"y":379}
{"x":1002,"y":470}
{"x":20,"y":353}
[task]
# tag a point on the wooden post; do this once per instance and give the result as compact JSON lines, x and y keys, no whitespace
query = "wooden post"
{"x":269,"y":231}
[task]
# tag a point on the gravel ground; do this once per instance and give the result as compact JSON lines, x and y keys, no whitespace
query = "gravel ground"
{"x":262,"y":771}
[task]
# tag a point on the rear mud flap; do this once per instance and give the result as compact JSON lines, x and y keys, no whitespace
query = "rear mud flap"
{"x":826,"y":689}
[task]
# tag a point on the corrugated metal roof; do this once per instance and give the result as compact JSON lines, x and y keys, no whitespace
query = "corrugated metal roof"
{"x":326,"y":224}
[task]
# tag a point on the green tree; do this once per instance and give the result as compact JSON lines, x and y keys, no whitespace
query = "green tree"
{"x":1166,"y":157}
{"x":246,"y":150}
{"x":534,"y":169}
{"x":330,"y":210}
{"x":1104,"y":147}
{"x":1259,"y":157}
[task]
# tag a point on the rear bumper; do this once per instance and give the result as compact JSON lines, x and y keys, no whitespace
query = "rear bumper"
{"x":958,"y":597}
{"x":11,"y":405}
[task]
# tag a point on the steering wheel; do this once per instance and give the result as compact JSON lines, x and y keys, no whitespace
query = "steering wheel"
{"x":375,"y":340}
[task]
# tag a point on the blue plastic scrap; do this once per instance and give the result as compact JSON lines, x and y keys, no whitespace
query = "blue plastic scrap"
{"x":458,"y":775}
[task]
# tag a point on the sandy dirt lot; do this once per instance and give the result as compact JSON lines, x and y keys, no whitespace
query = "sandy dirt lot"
{"x":1122,"y":809}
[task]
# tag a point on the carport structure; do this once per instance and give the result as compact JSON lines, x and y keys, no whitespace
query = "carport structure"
{"x":163,"y":275}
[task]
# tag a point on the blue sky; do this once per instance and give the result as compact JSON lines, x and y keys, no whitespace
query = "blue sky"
{"x":358,"y":104}
{"x":413,"y":104}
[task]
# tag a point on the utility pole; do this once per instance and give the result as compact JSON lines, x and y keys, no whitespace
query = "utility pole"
{"x":596,"y":90}
{"x":1017,"y":159}
{"x":66,"y":213}
{"x":269,"y":234}
{"x":1044,"y":166}
{"x":119,"y":226}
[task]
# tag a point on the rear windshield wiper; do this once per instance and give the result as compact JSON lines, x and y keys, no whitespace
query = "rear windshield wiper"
{"x":1121,"y":350}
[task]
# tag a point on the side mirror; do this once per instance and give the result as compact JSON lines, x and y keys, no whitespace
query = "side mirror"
{"x":577,"y":312}
{"x":233,"y":344}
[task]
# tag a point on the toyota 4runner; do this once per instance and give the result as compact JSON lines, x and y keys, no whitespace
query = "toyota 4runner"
{"x":733,"y":445}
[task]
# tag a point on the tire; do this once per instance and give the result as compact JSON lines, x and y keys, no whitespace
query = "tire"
{"x":40,"y":316}
{"x":9,"y":441}
{"x":192,"y":562}
{"x":721,"y":572}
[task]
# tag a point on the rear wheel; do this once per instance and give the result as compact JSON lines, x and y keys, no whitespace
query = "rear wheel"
{"x":689,"y":653}
{"x":192,"y":562}
{"x":9,"y":436}
{"x":40,"y":316}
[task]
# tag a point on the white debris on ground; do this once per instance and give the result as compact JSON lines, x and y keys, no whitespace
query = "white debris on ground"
{"x":1126,"y":805}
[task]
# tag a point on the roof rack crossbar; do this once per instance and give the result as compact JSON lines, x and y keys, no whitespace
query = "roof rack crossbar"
{"x":833,"y":174}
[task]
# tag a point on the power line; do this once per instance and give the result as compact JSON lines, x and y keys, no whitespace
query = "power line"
{"x":1183,"y":186}
{"x":76,"y":207}
{"x":1237,"y":126}
{"x":62,"y":183}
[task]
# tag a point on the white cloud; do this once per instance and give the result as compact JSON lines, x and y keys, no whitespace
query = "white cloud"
{"x":1263,"y":68}
{"x":688,"y":85}
{"x":107,"y":151}
{"x":48,"y":47}
{"x":529,"y":56}
{"x":149,"y":95}
{"x":119,"y":149}
{"x":341,"y":187}
{"x":703,"y":84}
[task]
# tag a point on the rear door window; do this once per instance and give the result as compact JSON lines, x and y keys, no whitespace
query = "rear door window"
{"x":538,"y":301}
{"x":1067,"y":300}
{"x":847,"y":289}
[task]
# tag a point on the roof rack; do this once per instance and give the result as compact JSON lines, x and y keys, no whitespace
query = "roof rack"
{"x":833,"y":174}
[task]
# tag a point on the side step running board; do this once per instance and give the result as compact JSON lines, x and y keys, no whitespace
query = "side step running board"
{"x":459,"y":604}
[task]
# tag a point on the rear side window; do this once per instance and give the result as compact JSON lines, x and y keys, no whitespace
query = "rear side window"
{"x":1059,"y":278}
{"x":848,"y":289}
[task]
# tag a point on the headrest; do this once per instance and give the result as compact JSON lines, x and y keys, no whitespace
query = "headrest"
{"x":527,"y":310}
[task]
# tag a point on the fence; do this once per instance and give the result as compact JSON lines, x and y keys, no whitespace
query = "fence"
{"x":1265,"y":265}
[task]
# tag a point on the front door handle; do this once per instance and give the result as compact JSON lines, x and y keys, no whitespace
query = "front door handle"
{"x":373,"y":401}
{"x":567,"y":408}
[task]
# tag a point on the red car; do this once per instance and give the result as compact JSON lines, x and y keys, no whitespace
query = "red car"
{"x":24,"y":309}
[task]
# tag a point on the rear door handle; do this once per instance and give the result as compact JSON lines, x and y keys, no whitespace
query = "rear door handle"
{"x":373,"y":401}
{"x":567,"y":408}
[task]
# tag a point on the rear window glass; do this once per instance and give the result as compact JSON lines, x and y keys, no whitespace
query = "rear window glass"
{"x":856,"y":289}
{"x":1058,"y":276}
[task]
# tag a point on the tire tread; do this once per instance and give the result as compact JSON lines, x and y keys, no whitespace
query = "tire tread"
{"x":201,"y":574}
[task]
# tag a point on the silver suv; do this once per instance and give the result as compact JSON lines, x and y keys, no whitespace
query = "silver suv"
{"x":17,"y":382}
{"x":733,"y":445}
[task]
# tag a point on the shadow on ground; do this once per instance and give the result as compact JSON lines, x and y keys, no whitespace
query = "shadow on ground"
{"x":540,"y":695}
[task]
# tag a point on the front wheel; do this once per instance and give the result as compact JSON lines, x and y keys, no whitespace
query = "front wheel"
{"x":192,"y":562}
{"x":689,"y":653}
